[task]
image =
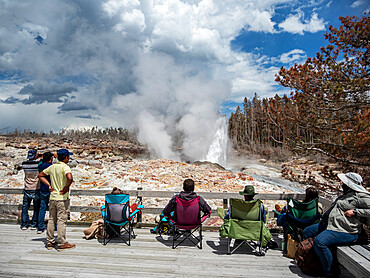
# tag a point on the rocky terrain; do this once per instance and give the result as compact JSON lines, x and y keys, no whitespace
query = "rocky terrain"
{"x":103,"y":164}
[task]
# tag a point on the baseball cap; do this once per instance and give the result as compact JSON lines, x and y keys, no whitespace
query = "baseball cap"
{"x":31,"y":154}
{"x":64,"y":152}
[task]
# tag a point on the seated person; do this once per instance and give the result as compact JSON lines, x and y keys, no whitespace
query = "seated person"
{"x":249,"y":194}
{"x":342,"y":222}
{"x":187,"y":194}
{"x":116,"y":191}
{"x":311,"y":194}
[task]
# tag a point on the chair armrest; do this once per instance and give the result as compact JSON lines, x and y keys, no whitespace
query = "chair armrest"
{"x":138,"y":209}
{"x":221,"y":212}
{"x":103,"y":214}
{"x":205,"y":216}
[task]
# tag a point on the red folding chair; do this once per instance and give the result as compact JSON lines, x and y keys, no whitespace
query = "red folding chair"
{"x":187,"y":220}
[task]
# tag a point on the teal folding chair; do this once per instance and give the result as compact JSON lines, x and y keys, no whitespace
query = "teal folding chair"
{"x":118,"y":218}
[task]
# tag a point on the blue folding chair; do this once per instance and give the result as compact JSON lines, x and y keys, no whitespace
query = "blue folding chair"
{"x":118,"y":218}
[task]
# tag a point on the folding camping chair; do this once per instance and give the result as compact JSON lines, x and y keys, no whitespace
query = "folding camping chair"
{"x":299,"y":216}
{"x":187,"y":220}
{"x":245,"y":224}
{"x":118,"y":218}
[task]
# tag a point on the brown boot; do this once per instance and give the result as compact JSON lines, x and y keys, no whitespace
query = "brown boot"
{"x":66,"y":246}
{"x":51,"y":245}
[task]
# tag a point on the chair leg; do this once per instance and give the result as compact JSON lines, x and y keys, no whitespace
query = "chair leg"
{"x":173,"y":238}
{"x":200,"y":236}
{"x":105,"y":233}
{"x":261,"y":239}
{"x":228,"y":245}
{"x":129,"y":233}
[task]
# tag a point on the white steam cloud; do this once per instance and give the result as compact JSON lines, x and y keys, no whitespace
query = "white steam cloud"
{"x":173,"y":107}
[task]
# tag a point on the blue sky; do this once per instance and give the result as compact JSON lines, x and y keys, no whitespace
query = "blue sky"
{"x":161,"y":67}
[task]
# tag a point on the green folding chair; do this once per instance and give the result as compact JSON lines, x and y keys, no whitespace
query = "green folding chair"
{"x":301,"y":215}
{"x":245,"y":224}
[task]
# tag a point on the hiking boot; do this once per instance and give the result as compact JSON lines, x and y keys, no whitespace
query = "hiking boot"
{"x":66,"y":246}
{"x":272,"y":244}
{"x":51,"y":245}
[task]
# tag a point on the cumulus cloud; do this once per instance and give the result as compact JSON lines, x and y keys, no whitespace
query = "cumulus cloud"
{"x":296,"y":24}
{"x":45,"y":92}
{"x":75,"y":106}
{"x":261,"y":21}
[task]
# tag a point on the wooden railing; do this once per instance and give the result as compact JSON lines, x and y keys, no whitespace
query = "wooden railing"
{"x":141,"y":194}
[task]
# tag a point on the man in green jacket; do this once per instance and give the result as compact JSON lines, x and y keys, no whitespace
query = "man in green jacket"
{"x":342,"y":222}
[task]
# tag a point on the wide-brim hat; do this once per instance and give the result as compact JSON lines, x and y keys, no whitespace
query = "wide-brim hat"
{"x":353,"y":181}
{"x":248,"y":190}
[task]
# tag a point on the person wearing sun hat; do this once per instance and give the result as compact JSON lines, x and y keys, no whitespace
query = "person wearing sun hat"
{"x":342,"y":222}
{"x":249,"y":194}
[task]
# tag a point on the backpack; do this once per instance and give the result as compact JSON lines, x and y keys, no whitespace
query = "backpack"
{"x":163,"y":227}
{"x":292,"y":246}
{"x":96,"y":230}
{"x":307,"y":259}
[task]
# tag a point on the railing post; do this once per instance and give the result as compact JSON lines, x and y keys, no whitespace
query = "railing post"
{"x":139,"y":216}
{"x":225,"y":203}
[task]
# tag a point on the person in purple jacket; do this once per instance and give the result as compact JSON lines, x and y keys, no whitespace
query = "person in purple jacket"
{"x":187,"y":194}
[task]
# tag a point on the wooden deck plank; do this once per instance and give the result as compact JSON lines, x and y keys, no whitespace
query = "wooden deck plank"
{"x":349,"y":256}
{"x":24,"y":254}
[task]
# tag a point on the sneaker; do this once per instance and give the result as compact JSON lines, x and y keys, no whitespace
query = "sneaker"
{"x":33,"y":228}
{"x":66,"y":246}
{"x":40,"y":232}
{"x":24,"y":228}
{"x":51,"y":245}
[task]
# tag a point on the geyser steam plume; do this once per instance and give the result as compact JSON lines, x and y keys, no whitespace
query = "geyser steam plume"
{"x":217,"y":150}
{"x":175,"y":109}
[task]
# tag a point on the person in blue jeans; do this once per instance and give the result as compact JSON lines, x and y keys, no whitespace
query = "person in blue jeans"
{"x":47,"y":159}
{"x":31,"y":191}
{"x":342,"y":222}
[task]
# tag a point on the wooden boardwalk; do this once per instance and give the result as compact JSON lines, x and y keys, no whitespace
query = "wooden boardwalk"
{"x":23,"y":254}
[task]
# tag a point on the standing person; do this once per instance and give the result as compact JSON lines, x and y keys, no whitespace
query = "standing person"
{"x":342,"y":222}
{"x":61,"y":180}
{"x":31,"y":190}
{"x":47,"y":159}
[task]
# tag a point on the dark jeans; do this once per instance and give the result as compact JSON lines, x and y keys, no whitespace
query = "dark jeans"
{"x":323,"y":240}
{"x":44,"y":203}
{"x":28,"y":196}
{"x":313,"y":230}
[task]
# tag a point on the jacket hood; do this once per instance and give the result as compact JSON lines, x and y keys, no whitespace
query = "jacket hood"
{"x":187,"y":195}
